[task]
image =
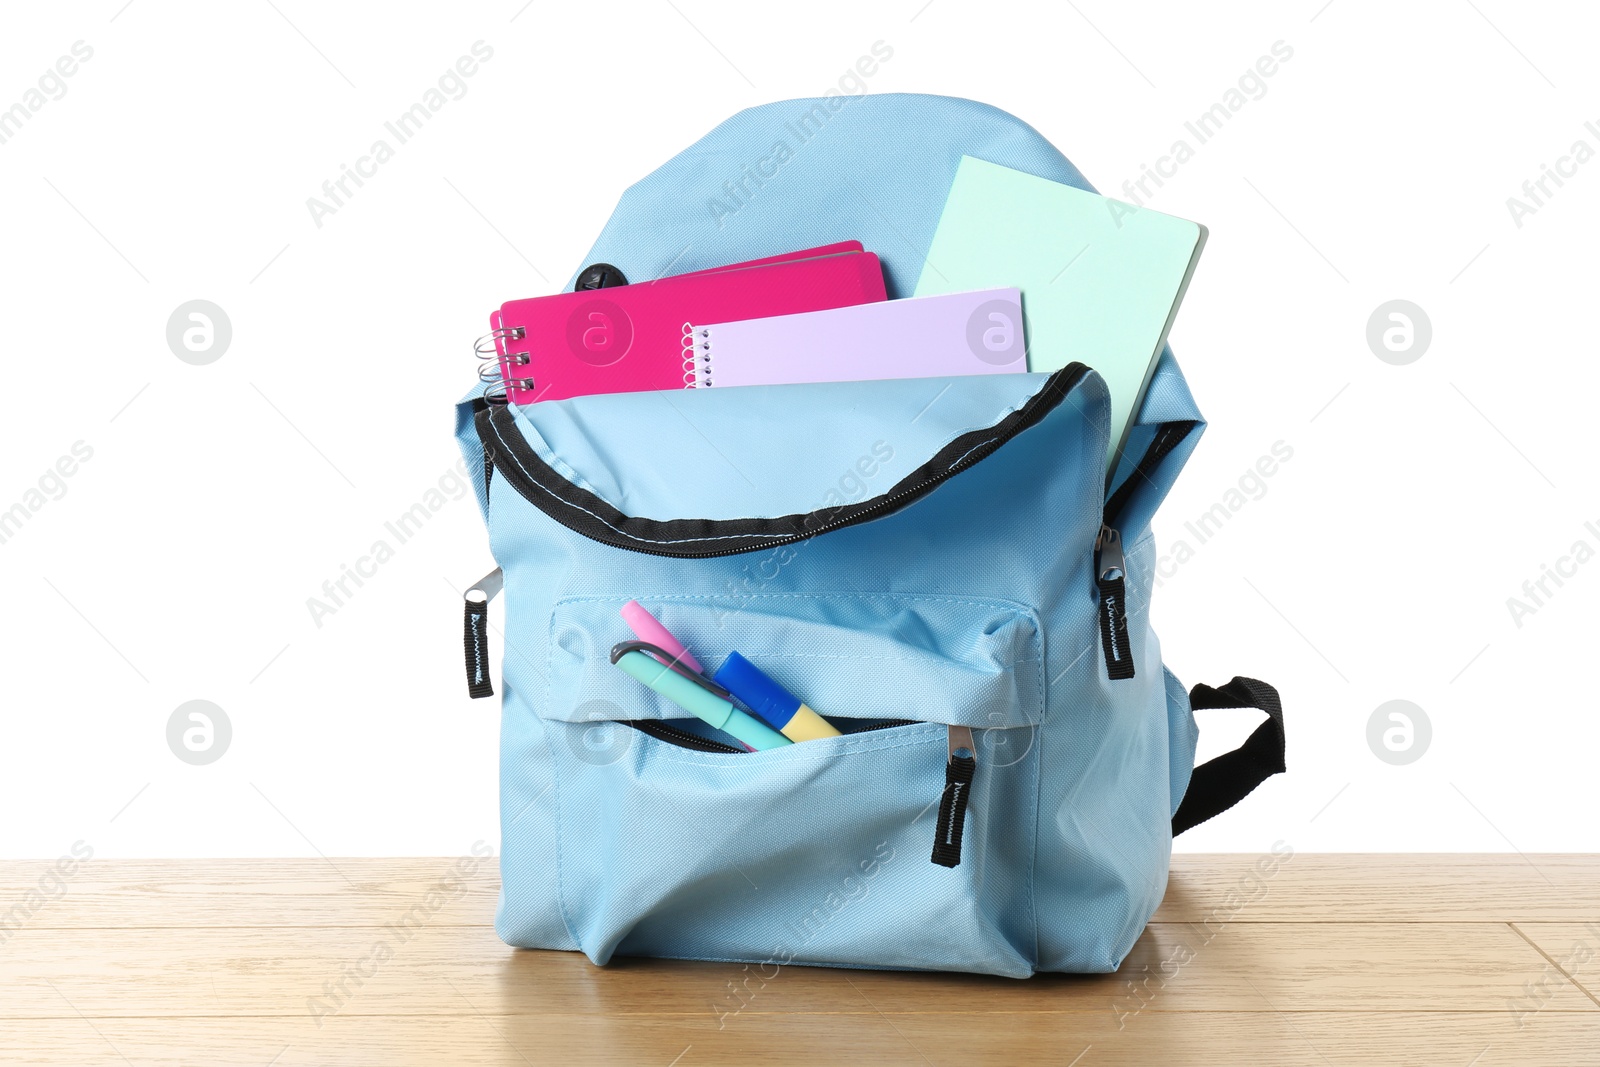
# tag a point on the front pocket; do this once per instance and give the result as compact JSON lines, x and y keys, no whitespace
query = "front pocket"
{"x":816,"y":853}
{"x":823,"y":851}
{"x":967,"y":661}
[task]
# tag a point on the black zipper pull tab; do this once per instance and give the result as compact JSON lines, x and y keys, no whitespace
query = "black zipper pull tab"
{"x":476,"y":635}
{"x":958,"y":770}
{"x":1110,"y":577}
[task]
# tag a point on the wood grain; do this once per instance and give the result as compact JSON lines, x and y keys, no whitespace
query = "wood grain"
{"x":1571,"y":951}
{"x":1384,"y":959}
{"x":291,"y":971}
{"x":1186,"y":1039}
{"x":1387,"y":888}
{"x":243,"y":892}
{"x":1307,"y":888}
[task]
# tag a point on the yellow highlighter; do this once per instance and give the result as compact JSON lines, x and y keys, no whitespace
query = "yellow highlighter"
{"x":779,"y":708}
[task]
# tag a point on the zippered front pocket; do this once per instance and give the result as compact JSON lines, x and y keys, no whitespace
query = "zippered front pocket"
{"x":953,"y":799}
{"x":768,"y":857}
{"x":674,"y":843}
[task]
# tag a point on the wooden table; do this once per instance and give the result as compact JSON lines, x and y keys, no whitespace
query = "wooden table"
{"x":1481,"y":960}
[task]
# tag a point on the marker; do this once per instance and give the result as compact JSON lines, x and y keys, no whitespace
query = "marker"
{"x":781,"y":709}
{"x":648,"y":628}
{"x":695,"y":698}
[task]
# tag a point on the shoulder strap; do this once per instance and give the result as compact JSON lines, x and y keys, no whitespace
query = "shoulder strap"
{"x":1219,"y":784}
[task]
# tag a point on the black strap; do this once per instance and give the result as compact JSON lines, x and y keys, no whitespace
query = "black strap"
{"x":953,"y":810}
{"x":475,"y":632}
{"x":476,"y":638}
{"x":1114,"y":627}
{"x":1219,"y":784}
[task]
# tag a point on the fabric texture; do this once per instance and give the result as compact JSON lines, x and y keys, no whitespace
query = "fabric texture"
{"x":973,"y":604}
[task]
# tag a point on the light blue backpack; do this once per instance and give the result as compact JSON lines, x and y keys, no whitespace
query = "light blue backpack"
{"x":936,"y":565}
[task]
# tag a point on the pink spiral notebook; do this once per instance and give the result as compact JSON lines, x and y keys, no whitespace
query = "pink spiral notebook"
{"x":629,"y":338}
{"x":979,"y":332}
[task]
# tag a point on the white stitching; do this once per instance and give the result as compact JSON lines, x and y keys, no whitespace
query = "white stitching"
{"x":623,"y":533}
{"x":681,"y":540}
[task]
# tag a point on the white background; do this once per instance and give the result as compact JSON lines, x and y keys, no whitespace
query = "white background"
{"x":178,"y":562}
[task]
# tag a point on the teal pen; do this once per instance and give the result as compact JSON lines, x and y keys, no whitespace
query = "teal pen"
{"x":695,"y":698}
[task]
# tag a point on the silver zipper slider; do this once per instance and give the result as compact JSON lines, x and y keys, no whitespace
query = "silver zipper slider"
{"x":961,"y":746}
{"x":1108,"y":554}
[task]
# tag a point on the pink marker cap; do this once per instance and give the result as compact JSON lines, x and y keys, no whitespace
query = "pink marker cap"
{"x":646,"y":627}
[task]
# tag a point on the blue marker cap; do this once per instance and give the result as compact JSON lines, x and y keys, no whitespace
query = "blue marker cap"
{"x":781,"y":709}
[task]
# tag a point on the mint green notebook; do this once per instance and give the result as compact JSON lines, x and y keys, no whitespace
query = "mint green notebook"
{"x":1101,"y":279}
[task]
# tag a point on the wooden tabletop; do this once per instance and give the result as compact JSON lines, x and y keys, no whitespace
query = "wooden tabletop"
{"x":1454,"y":959}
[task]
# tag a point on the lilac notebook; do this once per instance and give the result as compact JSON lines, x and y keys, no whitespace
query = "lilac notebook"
{"x":921,"y":337}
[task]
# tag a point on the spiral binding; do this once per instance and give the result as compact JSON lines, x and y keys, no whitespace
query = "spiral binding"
{"x":696,"y":367}
{"x":493,"y":360}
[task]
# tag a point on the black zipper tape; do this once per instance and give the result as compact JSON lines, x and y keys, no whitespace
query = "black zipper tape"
{"x":682,"y":738}
{"x":1109,"y":567}
{"x":586,"y":513}
{"x":959,"y":769}
{"x":659,"y":730}
{"x":488,"y":474}
{"x":1168,"y":437}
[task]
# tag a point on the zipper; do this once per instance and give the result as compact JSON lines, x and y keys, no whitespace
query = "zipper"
{"x":659,"y":730}
{"x":959,"y":767}
{"x":1111,"y":579}
{"x":958,"y":771}
{"x":1167,"y":438}
{"x":682,"y":738}
{"x":488,"y":473}
{"x":577,"y":513}
{"x":884,"y":725}
{"x":588,"y":515}
{"x":1110,"y":566}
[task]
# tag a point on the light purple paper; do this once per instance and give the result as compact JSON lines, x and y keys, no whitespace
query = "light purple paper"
{"x":978,"y":332}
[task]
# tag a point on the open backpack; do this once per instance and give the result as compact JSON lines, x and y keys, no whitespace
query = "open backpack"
{"x":939,"y":565}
